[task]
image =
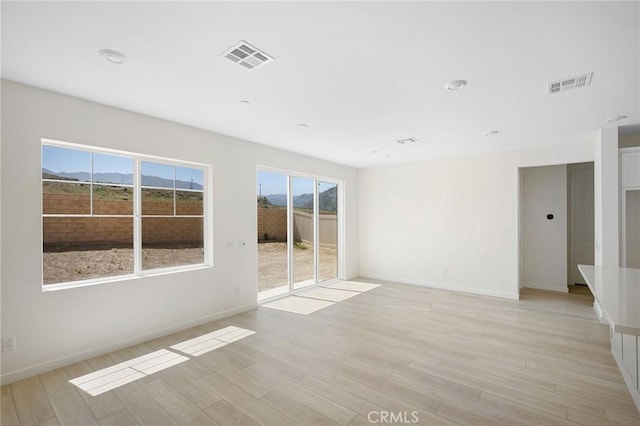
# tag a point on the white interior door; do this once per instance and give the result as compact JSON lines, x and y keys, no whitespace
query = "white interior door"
{"x":581,"y":224}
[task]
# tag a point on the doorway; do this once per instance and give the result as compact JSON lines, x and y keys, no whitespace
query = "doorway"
{"x":298,"y":239}
{"x":556,"y":225}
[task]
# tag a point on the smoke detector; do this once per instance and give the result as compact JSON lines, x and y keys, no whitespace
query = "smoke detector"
{"x":406,"y":141}
{"x":569,"y":83}
{"x":247,"y":56}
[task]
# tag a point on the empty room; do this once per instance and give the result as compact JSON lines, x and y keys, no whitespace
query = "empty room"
{"x":320,"y":213}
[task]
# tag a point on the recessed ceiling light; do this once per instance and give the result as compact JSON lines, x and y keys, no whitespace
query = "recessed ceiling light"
{"x":375,"y":151}
{"x":244,"y":101}
{"x":615,"y":119}
{"x":112,"y":56}
{"x":387,"y":155}
{"x":491,"y":132}
{"x":455,"y":84}
{"x":302,"y":126}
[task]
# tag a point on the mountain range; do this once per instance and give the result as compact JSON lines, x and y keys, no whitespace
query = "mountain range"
{"x":119,"y":178}
{"x":327,"y":200}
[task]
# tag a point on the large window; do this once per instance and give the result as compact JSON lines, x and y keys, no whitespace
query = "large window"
{"x":110,"y":214}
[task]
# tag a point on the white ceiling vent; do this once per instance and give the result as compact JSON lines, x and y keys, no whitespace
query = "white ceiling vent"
{"x":407,"y":140}
{"x":569,"y":83}
{"x":247,"y":56}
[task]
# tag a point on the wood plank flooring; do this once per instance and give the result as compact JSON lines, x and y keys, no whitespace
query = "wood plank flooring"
{"x":447,"y":358}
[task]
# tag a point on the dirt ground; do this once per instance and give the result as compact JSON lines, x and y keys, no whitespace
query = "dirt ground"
{"x":67,"y":266}
{"x":272,"y":264}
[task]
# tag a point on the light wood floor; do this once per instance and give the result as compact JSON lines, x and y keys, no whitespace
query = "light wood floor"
{"x":451,"y":358}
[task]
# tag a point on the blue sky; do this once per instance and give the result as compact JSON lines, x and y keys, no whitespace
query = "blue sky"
{"x":59,"y":159}
{"x":275,"y":183}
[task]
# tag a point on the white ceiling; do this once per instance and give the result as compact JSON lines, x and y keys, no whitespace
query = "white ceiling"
{"x":362,"y":75}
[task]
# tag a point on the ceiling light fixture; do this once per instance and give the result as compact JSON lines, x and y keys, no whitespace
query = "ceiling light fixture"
{"x":491,"y":132}
{"x":113,"y":56}
{"x":244,"y":101}
{"x":455,"y":84}
{"x":616,"y":119}
{"x":302,"y":126}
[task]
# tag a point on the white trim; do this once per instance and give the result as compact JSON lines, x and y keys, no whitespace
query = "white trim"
{"x":127,"y":277}
{"x":449,"y":287}
{"x":144,"y":157}
{"x":44,"y":367}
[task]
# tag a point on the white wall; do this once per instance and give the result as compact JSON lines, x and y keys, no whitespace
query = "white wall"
{"x":606,"y":198}
{"x":59,"y":327}
{"x":450,"y":223}
{"x":544,"y":241}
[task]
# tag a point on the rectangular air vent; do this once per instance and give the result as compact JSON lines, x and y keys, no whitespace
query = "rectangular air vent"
{"x":407,"y":140}
{"x":247,"y":56}
{"x":569,"y":83}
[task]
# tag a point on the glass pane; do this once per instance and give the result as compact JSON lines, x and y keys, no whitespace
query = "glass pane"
{"x":187,"y":178}
{"x":113,"y":200}
{"x":189,"y":203}
{"x":112,"y":169}
{"x":65,"y":164}
{"x":80,"y":248}
{"x":157,"y":201}
{"x":172,"y":241}
{"x":327,"y":231}
{"x":303,"y":238}
{"x":157,"y":175}
{"x":273,"y":276}
{"x":66,"y":198}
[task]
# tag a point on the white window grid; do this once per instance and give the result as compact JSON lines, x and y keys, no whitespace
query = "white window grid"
{"x":137,"y":215}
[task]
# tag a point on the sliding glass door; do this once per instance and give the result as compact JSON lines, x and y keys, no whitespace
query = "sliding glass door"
{"x":273,"y":236}
{"x":327,"y":231}
{"x":303,"y":214}
{"x":297,"y":232}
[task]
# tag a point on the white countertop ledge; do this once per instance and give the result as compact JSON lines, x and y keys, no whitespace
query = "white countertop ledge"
{"x":617,"y":292}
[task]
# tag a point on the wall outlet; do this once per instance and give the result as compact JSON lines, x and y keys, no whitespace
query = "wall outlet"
{"x":8,"y":344}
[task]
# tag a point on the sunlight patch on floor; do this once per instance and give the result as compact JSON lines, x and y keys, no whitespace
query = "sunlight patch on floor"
{"x":120,"y":374}
{"x":313,"y":300}
{"x":126,"y":372}
{"x":353,"y":286}
{"x":210,"y":341}
{"x":298,"y":305}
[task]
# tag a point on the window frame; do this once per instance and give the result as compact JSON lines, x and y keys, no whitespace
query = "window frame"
{"x":137,"y":216}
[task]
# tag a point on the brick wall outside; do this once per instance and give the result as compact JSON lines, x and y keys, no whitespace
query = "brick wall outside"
{"x":63,"y":232}
{"x":272,"y":221}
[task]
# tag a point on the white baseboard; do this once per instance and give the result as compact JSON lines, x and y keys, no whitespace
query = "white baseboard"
{"x":44,"y":367}
{"x":450,"y":287}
